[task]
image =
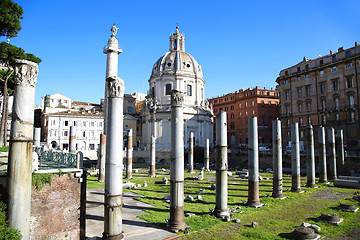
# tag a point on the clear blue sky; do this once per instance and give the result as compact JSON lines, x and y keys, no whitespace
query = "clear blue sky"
{"x":239,"y":44}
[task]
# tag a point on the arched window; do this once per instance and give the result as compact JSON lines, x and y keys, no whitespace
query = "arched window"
{"x":167,"y":89}
{"x":189,"y":90}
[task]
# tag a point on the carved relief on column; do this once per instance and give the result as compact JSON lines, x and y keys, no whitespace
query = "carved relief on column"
{"x":177,"y":98}
{"x":116,"y":87}
{"x":26,"y":73}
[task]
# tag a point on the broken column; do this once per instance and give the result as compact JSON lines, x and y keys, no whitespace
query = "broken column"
{"x":102,"y":154}
{"x":21,"y":146}
{"x":177,"y":221}
{"x":221,"y":208}
{"x":322,"y":156}
{"x":340,"y":151}
{"x":37,"y":137}
{"x":310,"y":158}
{"x":191,"y":153}
{"x":114,"y":160}
{"x":206,"y":155}
{"x":72,"y":138}
{"x":253,"y":192}
{"x":152,"y":172}
{"x":129,"y":154}
{"x":277,"y":160}
{"x":295,"y":158}
{"x":332,"y":154}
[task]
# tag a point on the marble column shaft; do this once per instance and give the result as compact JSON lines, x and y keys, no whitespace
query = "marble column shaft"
{"x":191,"y":152}
{"x":114,"y":160}
{"x":332,"y":154}
{"x":295,"y":158}
{"x":21,"y":146}
{"x":310,"y":158}
{"x":72,"y":140}
{"x":221,"y":208}
{"x":253,"y":191}
{"x":37,"y":137}
{"x":207,"y":155}
{"x":152,"y":170}
{"x":177,"y":221}
{"x":102,"y":155}
{"x":322,"y":156}
{"x":129,"y":155}
{"x":277,"y":160}
{"x":340,"y":151}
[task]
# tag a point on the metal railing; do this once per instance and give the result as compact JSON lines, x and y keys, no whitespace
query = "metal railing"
{"x":57,"y":158}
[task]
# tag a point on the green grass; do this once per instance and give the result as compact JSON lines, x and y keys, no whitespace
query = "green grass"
{"x":276,"y":219}
{"x":4,"y":149}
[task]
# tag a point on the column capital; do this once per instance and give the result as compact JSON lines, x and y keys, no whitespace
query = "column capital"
{"x":116,"y":87}
{"x":177,"y":98}
{"x":26,"y":73}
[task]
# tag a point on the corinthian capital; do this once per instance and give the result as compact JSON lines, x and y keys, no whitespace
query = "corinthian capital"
{"x":177,"y":98}
{"x":26,"y":73}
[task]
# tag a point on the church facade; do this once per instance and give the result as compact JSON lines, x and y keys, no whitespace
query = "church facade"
{"x":178,"y":70}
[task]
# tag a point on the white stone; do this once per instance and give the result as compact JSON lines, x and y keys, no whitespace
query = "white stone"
{"x":167,"y":197}
{"x":145,"y":185}
{"x":305,"y":224}
{"x":229,"y":174}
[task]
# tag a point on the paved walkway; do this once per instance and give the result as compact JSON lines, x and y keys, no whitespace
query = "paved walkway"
{"x":134,"y":228}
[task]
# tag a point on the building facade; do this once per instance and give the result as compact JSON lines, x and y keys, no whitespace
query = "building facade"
{"x":178,"y":70}
{"x":240,"y":105}
{"x":323,"y":91}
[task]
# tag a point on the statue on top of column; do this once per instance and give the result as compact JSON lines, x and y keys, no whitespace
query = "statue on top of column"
{"x":113,"y":30}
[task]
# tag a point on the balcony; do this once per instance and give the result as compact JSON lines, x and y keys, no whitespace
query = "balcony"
{"x":339,"y":108}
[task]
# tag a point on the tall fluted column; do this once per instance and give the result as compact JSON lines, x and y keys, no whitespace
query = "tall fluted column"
{"x":206,"y":155}
{"x":322,"y":156}
{"x":332,"y":154}
{"x":277,"y":160}
{"x":102,"y":155}
{"x":21,"y":145}
{"x":191,"y":153}
{"x":310,"y":158}
{"x":340,"y":151}
{"x":129,"y":155}
{"x":152,"y":171}
{"x":72,"y":138}
{"x":253,"y":191}
{"x":221,"y":208}
{"x":177,"y":221}
{"x":295,"y":158}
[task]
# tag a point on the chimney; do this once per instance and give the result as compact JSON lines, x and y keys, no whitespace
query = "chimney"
{"x":331,"y":52}
{"x":341,"y":49}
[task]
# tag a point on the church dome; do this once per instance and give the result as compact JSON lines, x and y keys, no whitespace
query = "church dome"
{"x":177,"y":61}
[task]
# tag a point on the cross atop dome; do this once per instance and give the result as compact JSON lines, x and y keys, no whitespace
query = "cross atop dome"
{"x":177,"y":41}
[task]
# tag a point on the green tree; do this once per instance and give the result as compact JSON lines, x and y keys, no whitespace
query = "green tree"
{"x":10,"y":15}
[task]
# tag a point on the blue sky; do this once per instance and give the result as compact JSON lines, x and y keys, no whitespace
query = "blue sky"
{"x":239,"y":44}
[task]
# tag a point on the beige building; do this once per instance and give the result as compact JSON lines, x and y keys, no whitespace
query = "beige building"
{"x":323,"y":91}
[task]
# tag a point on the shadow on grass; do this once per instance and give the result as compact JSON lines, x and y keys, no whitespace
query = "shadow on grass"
{"x":286,"y":235}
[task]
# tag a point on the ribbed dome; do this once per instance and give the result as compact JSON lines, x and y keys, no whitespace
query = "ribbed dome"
{"x":176,"y":62}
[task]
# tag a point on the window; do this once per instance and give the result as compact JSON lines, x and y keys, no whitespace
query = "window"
{"x":53,"y":122}
{"x":321,"y":62}
{"x":252,"y":103}
{"x":299,"y":90}
{"x":348,"y":65}
{"x":286,"y":94}
{"x":92,"y":134}
{"x":288,"y":122}
{"x":337,"y":103}
{"x":307,"y":76}
{"x":167,"y":89}
{"x":189,"y":90}
{"x":298,"y":69}
{"x":232,"y":107}
{"x":75,"y":123}
{"x":100,"y":124}
{"x":286,"y":81}
{"x":240,"y":122}
{"x":351,"y":100}
{"x":335,"y":85}
{"x":152,"y":93}
{"x":352,"y":116}
{"x":287,"y":109}
{"x":308,"y":106}
{"x":65,"y":101}
{"x":239,"y":105}
{"x":130,"y":110}
{"x":337,"y":117}
{"x":323,"y":119}
{"x":226,"y":109}
{"x":323,"y":104}
{"x":308,"y":91}
{"x":246,"y":104}
{"x":92,"y":146}
{"x":333,"y":57}
{"x":232,"y":97}
{"x":232,"y":125}
{"x":348,"y":54}
{"x":309,"y":120}
{"x":92,"y":124}
{"x":334,"y":69}
{"x":65,"y":134}
{"x":301,"y":122}
{"x":84,"y":124}
{"x":349,"y":81}
{"x":322,"y":87}
{"x":220,"y":100}
{"x":226,"y":99}
{"x":232,"y":116}
{"x":321,"y":72}
{"x":300,"y":107}
{"x":215,"y":101}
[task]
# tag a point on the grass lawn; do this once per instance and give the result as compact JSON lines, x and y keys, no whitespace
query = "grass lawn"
{"x":276,"y":219}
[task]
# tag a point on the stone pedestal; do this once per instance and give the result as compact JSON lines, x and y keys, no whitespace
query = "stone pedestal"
{"x":177,"y":221}
{"x":277,"y":160}
{"x":221,"y":208}
{"x":295,"y":159}
{"x":21,"y":146}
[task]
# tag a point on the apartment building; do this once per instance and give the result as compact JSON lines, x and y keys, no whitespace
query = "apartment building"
{"x":323,"y":91}
{"x":240,"y":105}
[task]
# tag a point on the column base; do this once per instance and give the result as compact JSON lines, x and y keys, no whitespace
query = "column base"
{"x":279,"y":196}
{"x":311,"y":185}
{"x":221,"y":213}
{"x":113,"y":237}
{"x":177,"y":221}
{"x":254,"y":204}
{"x":296,"y":190}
